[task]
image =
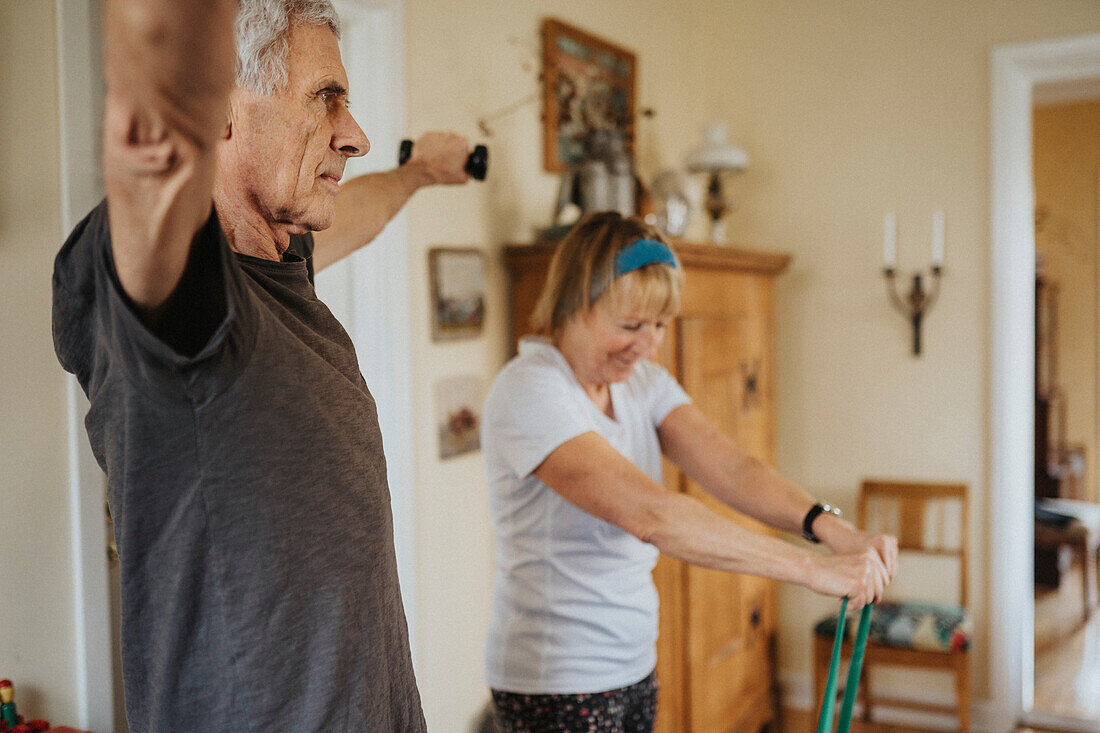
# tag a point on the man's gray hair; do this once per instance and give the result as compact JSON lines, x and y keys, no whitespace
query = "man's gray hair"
{"x":262,"y":30}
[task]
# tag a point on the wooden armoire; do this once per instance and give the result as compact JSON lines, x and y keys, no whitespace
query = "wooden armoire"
{"x":716,"y":651}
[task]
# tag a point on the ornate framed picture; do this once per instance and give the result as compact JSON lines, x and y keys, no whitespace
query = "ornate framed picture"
{"x":458,"y":292}
{"x":587,"y":83}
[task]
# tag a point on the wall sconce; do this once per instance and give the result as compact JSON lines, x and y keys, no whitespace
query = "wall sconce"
{"x":918,"y":302}
{"x":715,"y":157}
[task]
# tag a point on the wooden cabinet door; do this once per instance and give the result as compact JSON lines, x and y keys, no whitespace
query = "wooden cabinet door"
{"x":728,"y":618}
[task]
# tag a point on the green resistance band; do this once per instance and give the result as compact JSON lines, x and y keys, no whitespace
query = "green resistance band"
{"x":825,"y":718}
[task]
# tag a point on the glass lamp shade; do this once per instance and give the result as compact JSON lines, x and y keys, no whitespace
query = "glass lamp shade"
{"x":716,"y":153}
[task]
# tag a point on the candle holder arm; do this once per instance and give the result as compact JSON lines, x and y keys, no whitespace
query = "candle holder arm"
{"x":917,"y":303}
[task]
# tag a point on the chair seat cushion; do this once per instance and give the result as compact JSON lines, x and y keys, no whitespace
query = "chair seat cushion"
{"x":928,"y":626}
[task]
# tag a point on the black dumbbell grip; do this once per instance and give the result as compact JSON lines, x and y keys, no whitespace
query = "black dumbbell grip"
{"x":404,"y":151}
{"x":477,"y":163}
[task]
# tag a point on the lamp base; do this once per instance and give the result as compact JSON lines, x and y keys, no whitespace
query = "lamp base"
{"x":717,"y":206}
{"x":718,"y":232}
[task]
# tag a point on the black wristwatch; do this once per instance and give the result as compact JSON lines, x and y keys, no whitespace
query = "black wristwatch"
{"x":808,"y":521}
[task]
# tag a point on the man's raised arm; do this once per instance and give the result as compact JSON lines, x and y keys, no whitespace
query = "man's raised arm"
{"x":169,"y":70}
{"x":367,"y":203}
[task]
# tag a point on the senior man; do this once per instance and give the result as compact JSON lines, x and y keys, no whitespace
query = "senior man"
{"x":244,"y":463}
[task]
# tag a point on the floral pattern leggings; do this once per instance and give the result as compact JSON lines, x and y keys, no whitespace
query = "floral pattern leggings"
{"x":626,"y":710}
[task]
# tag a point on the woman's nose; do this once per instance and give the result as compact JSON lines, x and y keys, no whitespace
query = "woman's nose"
{"x":649,"y":339}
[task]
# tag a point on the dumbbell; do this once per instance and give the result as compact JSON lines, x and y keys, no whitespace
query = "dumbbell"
{"x":477,"y":164}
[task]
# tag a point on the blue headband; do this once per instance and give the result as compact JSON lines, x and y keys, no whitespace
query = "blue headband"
{"x":641,"y":253}
{"x":637,"y":254}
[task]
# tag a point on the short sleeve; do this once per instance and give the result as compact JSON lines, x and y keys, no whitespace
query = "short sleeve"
{"x":96,"y":329}
{"x":531,"y":410}
{"x":663,"y":393}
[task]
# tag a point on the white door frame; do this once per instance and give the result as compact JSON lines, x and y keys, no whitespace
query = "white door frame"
{"x":369,"y":291}
{"x":1017,"y":69}
{"x":80,"y":93}
{"x":365,"y":285}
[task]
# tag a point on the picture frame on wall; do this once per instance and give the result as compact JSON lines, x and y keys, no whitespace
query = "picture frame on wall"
{"x":457,"y":291}
{"x":587,"y":83}
{"x":458,"y":406}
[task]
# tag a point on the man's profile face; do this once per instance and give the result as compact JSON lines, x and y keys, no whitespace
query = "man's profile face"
{"x":293,"y":144}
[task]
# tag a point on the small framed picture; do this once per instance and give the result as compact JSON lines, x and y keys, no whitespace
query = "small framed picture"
{"x":458,"y":404}
{"x":458,"y":292}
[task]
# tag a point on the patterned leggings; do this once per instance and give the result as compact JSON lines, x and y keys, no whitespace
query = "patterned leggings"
{"x":626,"y":710}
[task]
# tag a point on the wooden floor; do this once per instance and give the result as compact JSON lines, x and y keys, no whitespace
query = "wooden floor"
{"x":1067,"y":652}
{"x":803,"y":721}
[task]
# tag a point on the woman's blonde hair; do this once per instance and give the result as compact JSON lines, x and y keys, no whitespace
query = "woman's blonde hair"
{"x":583,"y":270}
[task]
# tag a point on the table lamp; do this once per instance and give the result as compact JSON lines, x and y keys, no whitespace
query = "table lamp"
{"x":715,"y":157}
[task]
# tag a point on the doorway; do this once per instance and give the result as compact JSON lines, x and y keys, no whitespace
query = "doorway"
{"x":1066,"y":146}
{"x":1017,"y":71}
{"x":368,"y":291}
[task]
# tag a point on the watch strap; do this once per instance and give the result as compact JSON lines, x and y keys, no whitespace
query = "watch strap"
{"x":808,"y":521}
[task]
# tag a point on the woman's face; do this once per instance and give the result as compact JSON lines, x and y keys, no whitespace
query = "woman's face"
{"x":604,"y":346}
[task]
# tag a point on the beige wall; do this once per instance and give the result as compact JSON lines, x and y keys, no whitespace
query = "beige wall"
{"x":36,"y":646}
{"x":852,"y":109}
{"x":1066,"y":141}
{"x":848,"y":108}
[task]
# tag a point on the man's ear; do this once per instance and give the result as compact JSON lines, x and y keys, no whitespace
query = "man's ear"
{"x":230,"y":113}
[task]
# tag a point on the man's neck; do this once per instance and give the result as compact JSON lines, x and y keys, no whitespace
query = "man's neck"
{"x":249,"y":233}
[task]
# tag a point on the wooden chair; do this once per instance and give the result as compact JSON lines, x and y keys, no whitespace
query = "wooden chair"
{"x":912,"y":633}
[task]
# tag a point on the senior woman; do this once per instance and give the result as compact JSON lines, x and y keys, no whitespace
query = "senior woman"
{"x":573,"y":432}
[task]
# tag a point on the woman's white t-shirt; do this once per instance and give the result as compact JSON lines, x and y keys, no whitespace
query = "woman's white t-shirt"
{"x":574,"y":605}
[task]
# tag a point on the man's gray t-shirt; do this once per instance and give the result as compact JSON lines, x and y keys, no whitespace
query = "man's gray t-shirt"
{"x":247,"y":482}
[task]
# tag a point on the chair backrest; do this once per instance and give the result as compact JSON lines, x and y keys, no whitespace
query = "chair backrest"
{"x":927,"y":518}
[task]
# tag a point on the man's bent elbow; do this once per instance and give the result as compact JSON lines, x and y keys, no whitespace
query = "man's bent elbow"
{"x":174,"y":61}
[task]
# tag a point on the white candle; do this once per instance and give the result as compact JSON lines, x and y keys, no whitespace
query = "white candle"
{"x":889,"y":241}
{"x":937,"y":238}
